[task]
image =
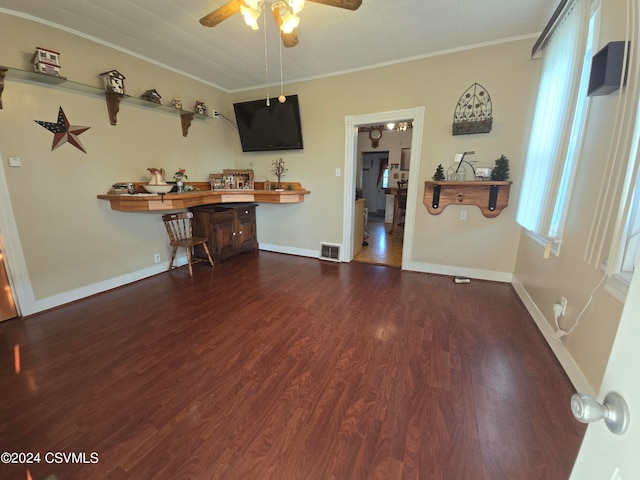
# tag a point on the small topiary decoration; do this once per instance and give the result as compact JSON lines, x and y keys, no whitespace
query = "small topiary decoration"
{"x":279,"y":169}
{"x":500,"y":172}
{"x":439,"y":175}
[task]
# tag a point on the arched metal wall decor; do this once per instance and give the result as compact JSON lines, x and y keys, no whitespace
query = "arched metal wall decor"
{"x":473,"y":112}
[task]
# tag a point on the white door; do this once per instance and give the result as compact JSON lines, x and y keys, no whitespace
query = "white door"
{"x":603,"y":455}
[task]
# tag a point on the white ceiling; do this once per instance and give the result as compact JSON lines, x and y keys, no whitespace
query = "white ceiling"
{"x":332,"y":40}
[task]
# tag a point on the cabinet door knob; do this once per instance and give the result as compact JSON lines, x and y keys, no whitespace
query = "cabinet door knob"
{"x":240,"y":232}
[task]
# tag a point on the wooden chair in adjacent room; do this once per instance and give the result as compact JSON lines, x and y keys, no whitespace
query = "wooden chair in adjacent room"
{"x":402,"y":201}
{"x":180,"y":235}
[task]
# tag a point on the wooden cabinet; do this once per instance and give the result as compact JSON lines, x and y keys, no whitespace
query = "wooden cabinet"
{"x":230,"y":228}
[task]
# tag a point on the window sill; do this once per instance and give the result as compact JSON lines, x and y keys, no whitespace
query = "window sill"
{"x":618,"y":285}
{"x":543,"y":242}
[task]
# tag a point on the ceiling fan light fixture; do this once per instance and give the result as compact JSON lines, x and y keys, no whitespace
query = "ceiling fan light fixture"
{"x":251,"y":13}
{"x":296,"y":6}
{"x":288,"y":20}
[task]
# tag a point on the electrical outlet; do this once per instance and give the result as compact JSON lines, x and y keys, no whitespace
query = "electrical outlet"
{"x":563,"y":304}
{"x":156,"y":257}
{"x":463,"y":214}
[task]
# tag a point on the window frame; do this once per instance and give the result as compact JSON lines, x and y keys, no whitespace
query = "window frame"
{"x":552,"y":213}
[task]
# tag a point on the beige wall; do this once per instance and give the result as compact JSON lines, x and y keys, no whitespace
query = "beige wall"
{"x":436,"y":83}
{"x":546,"y":281}
{"x":69,"y":238}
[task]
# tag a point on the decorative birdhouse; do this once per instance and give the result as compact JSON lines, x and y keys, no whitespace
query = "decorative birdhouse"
{"x":176,"y":103}
{"x":151,"y":96}
{"x":201,"y":108}
{"x":46,"y":61}
{"x":113,"y":81}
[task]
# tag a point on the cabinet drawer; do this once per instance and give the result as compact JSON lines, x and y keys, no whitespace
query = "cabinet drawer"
{"x":245,"y":212}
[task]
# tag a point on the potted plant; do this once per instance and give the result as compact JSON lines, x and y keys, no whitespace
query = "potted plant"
{"x":180,"y":176}
{"x":279,"y":169}
{"x":439,"y":175}
{"x":500,"y":172}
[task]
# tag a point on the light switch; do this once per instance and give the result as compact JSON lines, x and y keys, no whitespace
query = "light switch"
{"x":15,"y":162}
{"x":338,"y":172}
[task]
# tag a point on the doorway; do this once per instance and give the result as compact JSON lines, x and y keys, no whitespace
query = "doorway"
{"x":7,"y":304}
{"x":380,"y":247}
{"x":352,"y":122}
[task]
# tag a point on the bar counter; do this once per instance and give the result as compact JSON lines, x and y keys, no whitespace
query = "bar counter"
{"x":140,"y":202}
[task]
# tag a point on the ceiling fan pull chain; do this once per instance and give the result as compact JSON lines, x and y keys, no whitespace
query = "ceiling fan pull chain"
{"x":281,"y":98}
{"x":266,"y":58}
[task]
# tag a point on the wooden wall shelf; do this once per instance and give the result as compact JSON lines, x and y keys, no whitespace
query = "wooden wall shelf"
{"x":113,"y":99}
{"x":491,"y":197}
{"x":142,"y":202}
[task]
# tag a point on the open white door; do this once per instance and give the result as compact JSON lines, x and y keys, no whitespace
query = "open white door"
{"x":604,"y":455}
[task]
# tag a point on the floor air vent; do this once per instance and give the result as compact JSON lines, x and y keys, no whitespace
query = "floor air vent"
{"x":329,"y":252}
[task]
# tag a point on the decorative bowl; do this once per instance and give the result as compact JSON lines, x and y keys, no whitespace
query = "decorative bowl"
{"x":157,"y":188}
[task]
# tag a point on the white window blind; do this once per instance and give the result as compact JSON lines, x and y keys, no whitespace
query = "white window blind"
{"x":551,"y":154}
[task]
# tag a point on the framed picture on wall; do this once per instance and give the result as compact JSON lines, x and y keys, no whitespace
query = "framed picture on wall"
{"x":405,"y":157}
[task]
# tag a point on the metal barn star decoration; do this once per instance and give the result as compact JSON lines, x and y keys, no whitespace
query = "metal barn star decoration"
{"x":63,"y":132}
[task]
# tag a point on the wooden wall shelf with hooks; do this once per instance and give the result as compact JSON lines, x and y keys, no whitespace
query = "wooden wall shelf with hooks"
{"x":490,"y":196}
{"x":113,"y":99}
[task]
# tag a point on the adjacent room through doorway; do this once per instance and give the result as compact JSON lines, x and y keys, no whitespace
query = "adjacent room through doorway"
{"x":371,"y":133}
{"x":383,"y":161}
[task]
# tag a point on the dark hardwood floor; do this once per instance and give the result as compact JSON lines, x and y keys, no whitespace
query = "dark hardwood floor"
{"x":280,"y":367}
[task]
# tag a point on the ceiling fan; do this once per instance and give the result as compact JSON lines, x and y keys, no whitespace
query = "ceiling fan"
{"x":285,"y":14}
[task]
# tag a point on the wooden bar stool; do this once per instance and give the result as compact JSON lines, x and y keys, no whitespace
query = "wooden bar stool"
{"x":178,"y":227}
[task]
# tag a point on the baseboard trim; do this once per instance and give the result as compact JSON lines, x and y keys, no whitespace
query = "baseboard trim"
{"x":558,"y":348}
{"x":115,"y":282}
{"x":301,"y":252}
{"x":99,"y":287}
{"x":504,"y":277}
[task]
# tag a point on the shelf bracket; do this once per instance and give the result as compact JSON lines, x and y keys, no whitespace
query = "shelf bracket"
{"x":490,"y":197}
{"x":185,"y":119}
{"x":3,"y":70}
{"x":113,"y":106}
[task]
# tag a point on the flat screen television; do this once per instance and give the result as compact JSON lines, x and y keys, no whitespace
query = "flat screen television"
{"x":265,"y":127}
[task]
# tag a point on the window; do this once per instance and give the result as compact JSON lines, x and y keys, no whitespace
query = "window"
{"x":630,"y":249}
{"x":385,"y":178}
{"x":558,"y":122}
{"x":625,"y":249}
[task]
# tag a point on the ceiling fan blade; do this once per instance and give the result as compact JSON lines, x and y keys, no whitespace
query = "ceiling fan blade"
{"x":288,"y":39}
{"x":348,"y":4}
{"x":221,"y":14}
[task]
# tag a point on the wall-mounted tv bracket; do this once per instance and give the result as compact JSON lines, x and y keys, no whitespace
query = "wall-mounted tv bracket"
{"x":490,"y":196}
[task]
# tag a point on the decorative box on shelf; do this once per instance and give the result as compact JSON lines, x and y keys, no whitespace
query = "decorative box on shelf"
{"x":231,"y":179}
{"x":152,"y":96}
{"x":46,"y":61}
{"x":113,"y":82}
